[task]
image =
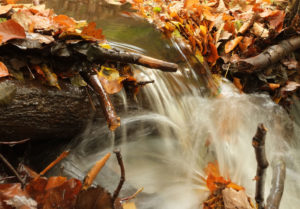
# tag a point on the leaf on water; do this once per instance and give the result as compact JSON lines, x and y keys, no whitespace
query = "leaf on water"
{"x":3,"y":70}
{"x":111,"y":80}
{"x":230,"y":45}
{"x":11,"y":30}
{"x":91,"y":31}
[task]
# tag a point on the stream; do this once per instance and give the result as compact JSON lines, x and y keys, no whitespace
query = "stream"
{"x":176,"y":129}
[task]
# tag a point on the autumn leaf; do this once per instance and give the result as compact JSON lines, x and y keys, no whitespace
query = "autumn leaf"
{"x":237,"y":83}
{"x":3,"y":70}
{"x":111,"y":80}
{"x":91,"y":31}
{"x":230,"y":45}
{"x":5,"y":8}
{"x":11,"y":30}
{"x":245,"y":43}
{"x":188,"y":4}
{"x":66,"y":23}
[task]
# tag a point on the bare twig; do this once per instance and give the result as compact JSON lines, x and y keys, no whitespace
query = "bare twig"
{"x":122,"y":178}
{"x":132,"y":196}
{"x":57,"y":160}
{"x":108,"y":109}
{"x":274,"y":198}
{"x":15,"y":142}
{"x":12,"y":169}
{"x":143,"y":83}
{"x":258,"y":143}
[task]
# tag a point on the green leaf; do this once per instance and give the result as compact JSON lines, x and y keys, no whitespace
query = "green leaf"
{"x":157,"y":9}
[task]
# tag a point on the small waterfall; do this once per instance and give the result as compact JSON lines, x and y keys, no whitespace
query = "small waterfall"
{"x":167,"y":144}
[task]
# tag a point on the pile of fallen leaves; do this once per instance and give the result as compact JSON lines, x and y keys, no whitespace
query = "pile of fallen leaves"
{"x":39,"y":192}
{"x":224,"y":193}
{"x":225,"y":33}
{"x":37,"y":43}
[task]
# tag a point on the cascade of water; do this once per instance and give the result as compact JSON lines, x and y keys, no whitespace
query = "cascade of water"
{"x":167,"y":145}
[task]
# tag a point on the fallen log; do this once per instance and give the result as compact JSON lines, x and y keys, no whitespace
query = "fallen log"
{"x":268,"y":57}
{"x":32,"y":110}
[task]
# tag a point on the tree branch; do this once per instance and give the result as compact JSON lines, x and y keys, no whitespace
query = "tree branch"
{"x":122,"y":178}
{"x":258,"y":143}
{"x":12,"y":169}
{"x":274,"y":198}
{"x":268,"y":57}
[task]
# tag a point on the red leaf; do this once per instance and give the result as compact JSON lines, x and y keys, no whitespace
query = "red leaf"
{"x":11,"y":30}
{"x":3,"y":70}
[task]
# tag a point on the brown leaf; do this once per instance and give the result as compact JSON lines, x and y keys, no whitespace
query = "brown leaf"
{"x":111,"y":80}
{"x":3,"y":70}
{"x":290,"y":86}
{"x":237,"y":83}
{"x":230,"y":45}
{"x":259,"y":30}
{"x":245,"y":43}
{"x":11,"y":30}
{"x":94,"y":198}
{"x":63,"y":196}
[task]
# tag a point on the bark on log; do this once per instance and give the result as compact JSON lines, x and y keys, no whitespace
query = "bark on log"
{"x":270,"y":56}
{"x":33,"y":110}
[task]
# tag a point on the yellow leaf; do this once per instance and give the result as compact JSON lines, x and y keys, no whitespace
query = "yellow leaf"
{"x":129,"y":205}
{"x":111,"y":80}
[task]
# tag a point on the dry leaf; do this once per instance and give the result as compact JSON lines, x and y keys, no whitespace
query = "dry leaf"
{"x":91,"y":31}
{"x":3,"y":70}
{"x":230,"y":45}
{"x":11,"y":30}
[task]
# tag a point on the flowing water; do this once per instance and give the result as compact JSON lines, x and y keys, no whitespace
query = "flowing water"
{"x":177,"y":129}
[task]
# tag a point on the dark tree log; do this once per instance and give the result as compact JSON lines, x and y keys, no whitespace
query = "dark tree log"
{"x":277,"y":189}
{"x":32,"y":110}
{"x":258,"y":143}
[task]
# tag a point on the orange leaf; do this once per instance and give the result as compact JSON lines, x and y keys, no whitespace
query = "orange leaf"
{"x":188,"y":4}
{"x":11,"y":1}
{"x":55,"y":181}
{"x":274,"y":86}
{"x":11,"y":30}
{"x":3,"y":70}
{"x":213,"y":169}
{"x":235,"y":186}
{"x":245,"y":43}
{"x":65,"y":22}
{"x":91,"y":31}
{"x":213,"y":55}
{"x":237,"y":83}
{"x":230,"y":45}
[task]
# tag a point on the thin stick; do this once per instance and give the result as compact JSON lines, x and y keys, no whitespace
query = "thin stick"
{"x":143,"y":83}
{"x":258,"y":143}
{"x":278,"y":179}
{"x":90,"y":177}
{"x":52,"y":164}
{"x":15,"y":142}
{"x":132,"y":196}
{"x":12,"y":169}
{"x":108,"y":109}
{"x":122,"y":178}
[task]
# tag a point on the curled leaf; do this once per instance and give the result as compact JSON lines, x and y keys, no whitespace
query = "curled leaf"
{"x":11,"y":30}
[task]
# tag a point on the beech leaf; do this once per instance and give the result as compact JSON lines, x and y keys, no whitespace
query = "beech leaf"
{"x":3,"y":70}
{"x":11,"y":30}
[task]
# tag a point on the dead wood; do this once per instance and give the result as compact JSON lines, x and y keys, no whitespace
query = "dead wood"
{"x":270,"y":56}
{"x":258,"y":143}
{"x":274,"y":198}
{"x":12,"y":169}
{"x":32,"y":110}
